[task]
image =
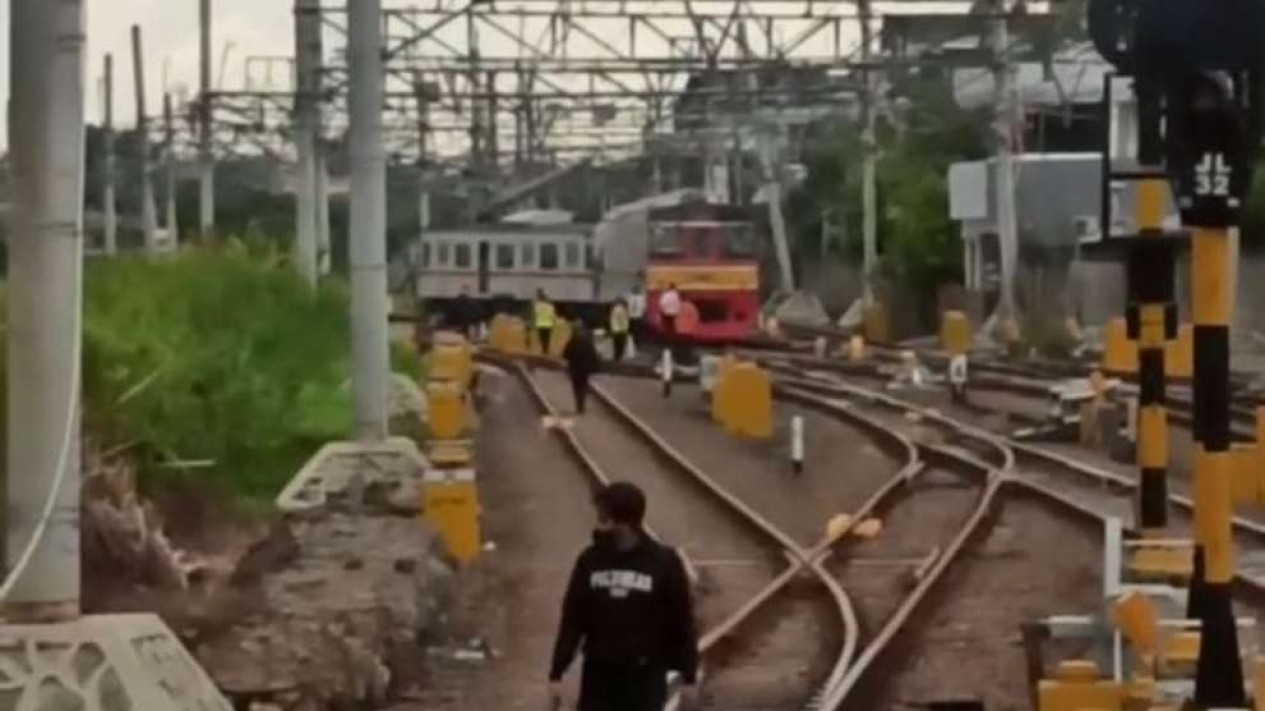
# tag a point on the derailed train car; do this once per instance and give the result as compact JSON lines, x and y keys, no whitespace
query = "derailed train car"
{"x":501,"y":267}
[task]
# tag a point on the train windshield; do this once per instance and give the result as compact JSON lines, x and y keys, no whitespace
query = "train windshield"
{"x":739,"y":240}
{"x":665,"y":241}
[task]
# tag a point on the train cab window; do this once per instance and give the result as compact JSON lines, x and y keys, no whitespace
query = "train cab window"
{"x":549,"y":256}
{"x":461,"y":256}
{"x":739,"y":240}
{"x":504,"y":256}
{"x":572,"y":252}
{"x":665,"y":240}
{"x":528,"y":256}
{"x":442,"y":254}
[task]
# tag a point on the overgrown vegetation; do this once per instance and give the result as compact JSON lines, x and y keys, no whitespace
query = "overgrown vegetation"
{"x":918,"y":244}
{"x":217,"y":364}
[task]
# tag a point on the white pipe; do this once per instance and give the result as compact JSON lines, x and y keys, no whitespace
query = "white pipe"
{"x":367,"y":234}
{"x":46,"y":139}
{"x":110,"y":207}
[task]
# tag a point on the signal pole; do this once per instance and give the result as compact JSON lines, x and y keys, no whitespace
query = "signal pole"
{"x":169,"y":157}
{"x":1151,"y":314}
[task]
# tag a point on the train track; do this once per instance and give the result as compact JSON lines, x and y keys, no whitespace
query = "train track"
{"x":947,"y":497}
{"x":1093,"y":490}
{"x":713,"y":521}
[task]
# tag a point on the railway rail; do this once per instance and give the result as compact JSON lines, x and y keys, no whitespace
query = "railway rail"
{"x":967,"y":476}
{"x":737,"y":613}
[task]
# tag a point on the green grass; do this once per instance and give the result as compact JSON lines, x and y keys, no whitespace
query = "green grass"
{"x":217,"y":364}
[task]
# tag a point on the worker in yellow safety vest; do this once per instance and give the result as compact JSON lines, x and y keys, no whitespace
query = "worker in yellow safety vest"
{"x":619,"y":328}
{"x":543,"y":317}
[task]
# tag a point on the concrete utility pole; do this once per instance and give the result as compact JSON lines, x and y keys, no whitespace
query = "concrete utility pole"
{"x":206,"y":159}
{"x":107,"y":192}
{"x":306,"y":23}
{"x":149,"y":220}
{"x":869,"y":165}
{"x":1007,"y":221}
{"x":324,"y":256}
{"x":46,"y":140}
{"x":169,"y":154}
{"x":367,"y":234}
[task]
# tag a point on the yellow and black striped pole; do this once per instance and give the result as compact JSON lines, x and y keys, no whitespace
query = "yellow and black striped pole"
{"x":1212,"y":149}
{"x":1151,"y":318}
{"x":1219,"y":677}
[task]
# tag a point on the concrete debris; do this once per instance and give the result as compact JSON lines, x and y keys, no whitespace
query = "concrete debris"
{"x":802,"y":307}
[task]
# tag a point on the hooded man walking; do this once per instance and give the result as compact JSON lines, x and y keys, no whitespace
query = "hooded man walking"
{"x":582,"y":362}
{"x":629,"y":605}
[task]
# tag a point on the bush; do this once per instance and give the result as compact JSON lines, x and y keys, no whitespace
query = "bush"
{"x":215,"y":362}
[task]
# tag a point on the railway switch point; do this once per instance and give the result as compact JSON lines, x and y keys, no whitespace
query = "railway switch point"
{"x":450,"y":503}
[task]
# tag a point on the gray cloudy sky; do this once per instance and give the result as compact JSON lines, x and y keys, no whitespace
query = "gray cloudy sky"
{"x":170,"y":31}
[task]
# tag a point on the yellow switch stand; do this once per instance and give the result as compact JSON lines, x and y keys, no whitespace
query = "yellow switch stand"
{"x":955,"y":333}
{"x":450,"y":503}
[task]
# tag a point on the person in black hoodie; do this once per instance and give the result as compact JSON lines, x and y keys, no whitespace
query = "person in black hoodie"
{"x":582,"y":362}
{"x":629,"y":604}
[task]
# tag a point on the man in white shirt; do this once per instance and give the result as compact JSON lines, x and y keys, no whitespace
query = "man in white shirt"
{"x":636,"y":312}
{"x":669,"y":309}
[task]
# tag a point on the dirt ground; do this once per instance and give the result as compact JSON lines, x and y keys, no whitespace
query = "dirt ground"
{"x":968,"y":647}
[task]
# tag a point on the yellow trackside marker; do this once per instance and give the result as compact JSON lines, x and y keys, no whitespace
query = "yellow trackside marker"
{"x":450,"y":503}
{"x":856,"y":349}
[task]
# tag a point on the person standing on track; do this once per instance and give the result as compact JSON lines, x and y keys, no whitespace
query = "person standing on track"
{"x":637,"y":313}
{"x":619,"y":323}
{"x":669,"y":309}
{"x":543,"y":317}
{"x":629,"y":604}
{"x":582,"y":362}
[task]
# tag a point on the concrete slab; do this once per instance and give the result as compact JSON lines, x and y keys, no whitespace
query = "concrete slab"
{"x":102,"y":663}
{"x":338,"y":468}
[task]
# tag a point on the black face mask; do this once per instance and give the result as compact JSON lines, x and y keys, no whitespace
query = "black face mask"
{"x":604,"y":538}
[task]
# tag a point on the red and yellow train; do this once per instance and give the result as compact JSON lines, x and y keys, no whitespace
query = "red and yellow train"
{"x":709,"y":253}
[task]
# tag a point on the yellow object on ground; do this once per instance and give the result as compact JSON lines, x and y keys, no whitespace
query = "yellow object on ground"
{"x":507,"y":334}
{"x":1078,"y":687}
{"x":450,"y":503}
{"x":446,"y":409}
{"x":875,"y":323}
{"x":955,"y":333}
{"x":451,"y":360}
{"x":743,"y":401}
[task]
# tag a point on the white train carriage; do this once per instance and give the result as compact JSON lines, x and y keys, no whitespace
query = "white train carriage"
{"x":502,"y":266}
